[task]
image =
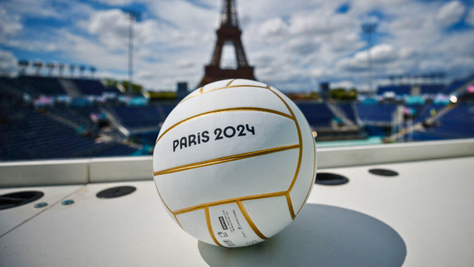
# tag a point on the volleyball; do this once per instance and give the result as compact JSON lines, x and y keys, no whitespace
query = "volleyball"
{"x":234,"y":163}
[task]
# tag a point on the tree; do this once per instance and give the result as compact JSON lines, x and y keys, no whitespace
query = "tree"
{"x":341,"y":94}
{"x":137,"y":89}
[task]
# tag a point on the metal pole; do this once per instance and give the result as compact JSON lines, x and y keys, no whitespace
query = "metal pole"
{"x":369,"y":29}
{"x":369,"y":58}
{"x":130,"y":55}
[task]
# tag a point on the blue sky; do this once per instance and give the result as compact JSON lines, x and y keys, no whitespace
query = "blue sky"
{"x":293,"y":46}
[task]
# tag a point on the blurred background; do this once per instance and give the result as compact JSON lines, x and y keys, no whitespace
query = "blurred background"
{"x":98,"y":78}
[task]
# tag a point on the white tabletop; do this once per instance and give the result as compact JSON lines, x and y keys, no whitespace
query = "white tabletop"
{"x":423,"y":217}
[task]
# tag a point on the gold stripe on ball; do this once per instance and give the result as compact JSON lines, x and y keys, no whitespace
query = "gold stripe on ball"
{"x":249,"y":220}
{"x":167,"y":205}
{"x":290,"y":205}
{"x":227,"y":201}
{"x":230,"y":82}
{"x":300,"y":155}
{"x":238,"y":157}
{"x":209,"y":226}
{"x":223,"y":111}
{"x":225,"y":159}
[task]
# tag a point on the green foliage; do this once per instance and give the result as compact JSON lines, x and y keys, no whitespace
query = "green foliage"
{"x":161,"y":95}
{"x":111,"y":83}
{"x":136,"y":88}
{"x":341,"y":94}
{"x":122,"y":86}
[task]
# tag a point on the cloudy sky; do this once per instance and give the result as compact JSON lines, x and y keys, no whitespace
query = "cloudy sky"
{"x":294,"y":45}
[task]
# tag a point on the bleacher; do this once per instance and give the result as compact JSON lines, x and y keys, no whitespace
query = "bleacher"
{"x":51,"y":86}
{"x":77,"y":115}
{"x":31,"y":135}
{"x":167,"y":108}
{"x":380,"y":113}
{"x":397,"y":89}
{"x":138,"y":116}
{"x":348,"y":110}
{"x":406,"y":89}
{"x":417,"y":108}
{"x":26,"y":134}
{"x":318,"y":115}
{"x":432,"y":89}
{"x":91,"y":87}
{"x":456,"y":123}
{"x":40,"y":85}
{"x":426,"y":113}
{"x":457,"y":84}
{"x":148,"y":138}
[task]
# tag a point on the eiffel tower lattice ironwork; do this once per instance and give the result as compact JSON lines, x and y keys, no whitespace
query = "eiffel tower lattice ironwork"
{"x":228,"y":33}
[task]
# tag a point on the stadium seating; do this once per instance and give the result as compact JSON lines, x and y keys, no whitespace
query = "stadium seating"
{"x":432,"y":88}
{"x":31,"y":135}
{"x":457,"y":84}
{"x":456,"y":123}
{"x":36,"y":136}
{"x":348,"y":110}
{"x":148,"y":138}
{"x":137,"y":117}
{"x":89,"y":87}
{"x":418,"y":108}
{"x":397,"y":89}
{"x":376,"y":112}
{"x":77,"y":115}
{"x":425,"y":113}
{"x":41,"y":85}
{"x":167,"y":108}
{"x":318,"y":115}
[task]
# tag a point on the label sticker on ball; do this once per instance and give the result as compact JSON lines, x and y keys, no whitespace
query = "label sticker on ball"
{"x":230,"y":227}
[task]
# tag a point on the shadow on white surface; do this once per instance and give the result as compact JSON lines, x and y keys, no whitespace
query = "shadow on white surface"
{"x":320,"y":236}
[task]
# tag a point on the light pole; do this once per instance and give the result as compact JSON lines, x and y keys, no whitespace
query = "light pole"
{"x":369,"y":29}
{"x":133,"y":16}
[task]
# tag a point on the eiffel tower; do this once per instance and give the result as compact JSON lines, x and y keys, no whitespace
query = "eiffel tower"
{"x":228,"y":32}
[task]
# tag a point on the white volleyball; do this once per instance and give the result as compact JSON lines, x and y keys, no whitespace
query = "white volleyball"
{"x":234,"y":162}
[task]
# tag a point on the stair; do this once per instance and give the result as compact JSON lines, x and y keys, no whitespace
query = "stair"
{"x":63,"y":120}
{"x":70,"y":87}
{"x":339,"y":113}
{"x":114,"y":122}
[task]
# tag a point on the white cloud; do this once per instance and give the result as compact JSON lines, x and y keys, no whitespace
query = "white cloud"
{"x":58,"y":9}
{"x":380,"y":54}
{"x":343,"y":84}
{"x":450,"y":13}
{"x":470,"y":17}
{"x":112,"y":27}
{"x":115,"y":2}
{"x":290,"y":45}
{"x":273,"y":30}
{"x":9,"y":23}
{"x":8,"y":62}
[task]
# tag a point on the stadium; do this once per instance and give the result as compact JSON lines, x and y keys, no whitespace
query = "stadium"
{"x":81,"y":117}
{"x":381,"y":172}
{"x":70,"y":114}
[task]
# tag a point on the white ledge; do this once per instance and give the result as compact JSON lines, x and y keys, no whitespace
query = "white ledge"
{"x":115,"y":169}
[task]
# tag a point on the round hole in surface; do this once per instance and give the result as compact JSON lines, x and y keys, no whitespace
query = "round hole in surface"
{"x":326,"y":178}
{"x":116,"y":192}
{"x":13,"y":200}
{"x":383,"y":172}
